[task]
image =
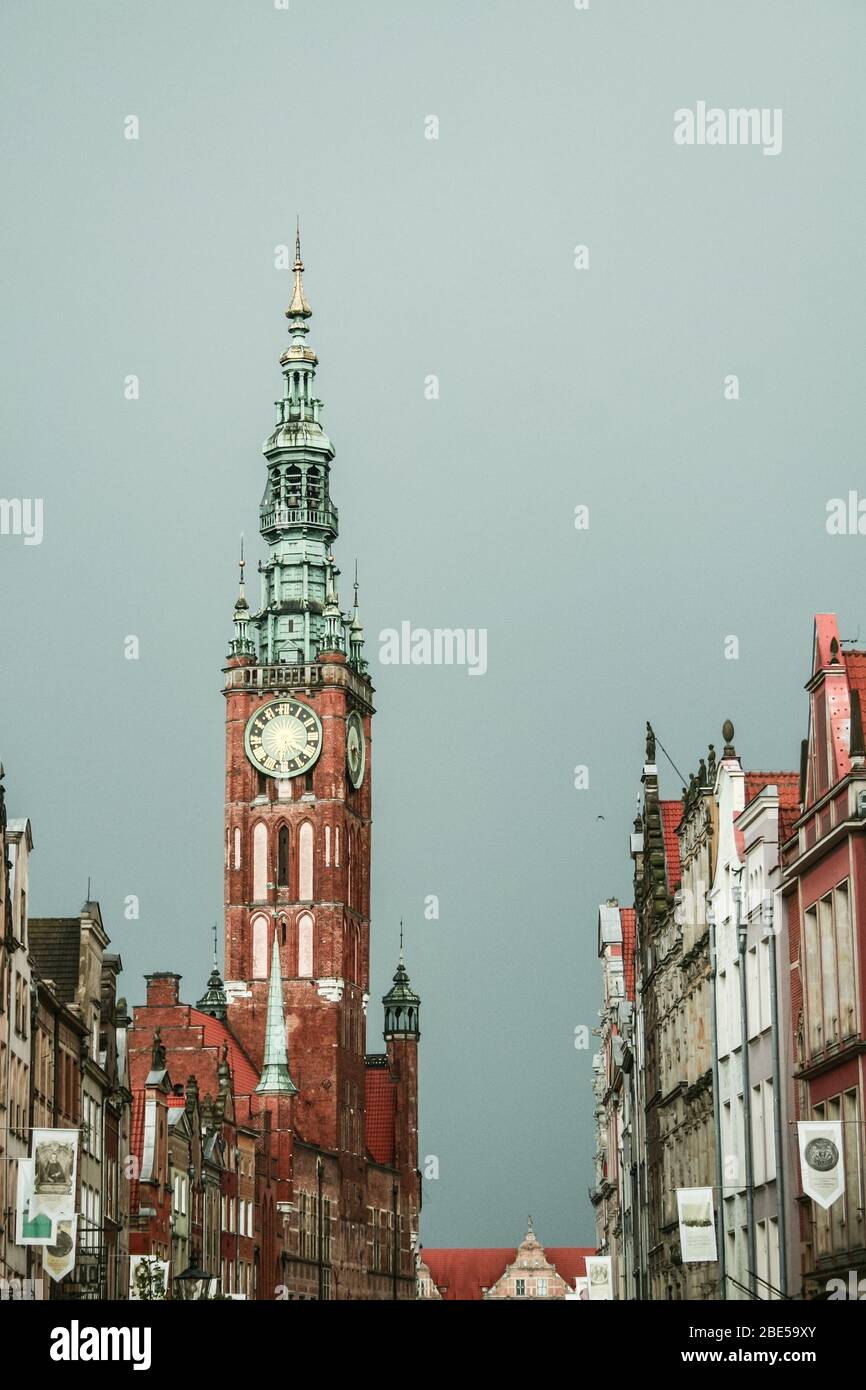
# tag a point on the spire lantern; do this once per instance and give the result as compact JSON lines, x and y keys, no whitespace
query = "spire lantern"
{"x":275,"y":1079}
{"x":402,"y":1004}
{"x":214,"y":1001}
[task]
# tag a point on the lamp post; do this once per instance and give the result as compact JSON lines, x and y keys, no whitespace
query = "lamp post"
{"x":193,"y":1285}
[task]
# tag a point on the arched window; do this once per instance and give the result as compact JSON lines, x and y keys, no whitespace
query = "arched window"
{"x":283,"y":857}
{"x":327,"y":846}
{"x":260,"y":862}
{"x":260,"y":947}
{"x":305,"y":944}
{"x":305,"y":863}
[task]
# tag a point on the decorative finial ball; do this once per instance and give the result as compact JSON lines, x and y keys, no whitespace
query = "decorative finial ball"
{"x":728,"y":731}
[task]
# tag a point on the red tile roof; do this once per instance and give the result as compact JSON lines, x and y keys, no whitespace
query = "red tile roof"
{"x":672,"y":813}
{"x":627,"y":922}
{"x":136,"y":1146}
{"x":788,"y":784}
{"x":381,"y":1096}
{"x":464,"y":1274}
{"x":245,"y":1078}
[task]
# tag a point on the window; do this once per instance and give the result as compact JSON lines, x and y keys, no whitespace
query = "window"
{"x":828,"y":970}
{"x":520,"y":1288}
{"x":283,"y":857}
{"x":845,"y":947}
{"x":305,"y":945}
{"x":305,"y":863}
{"x":260,"y":863}
{"x":814,"y":1041}
{"x":541,"y":1288}
{"x":260,"y":947}
{"x":851,"y":1127}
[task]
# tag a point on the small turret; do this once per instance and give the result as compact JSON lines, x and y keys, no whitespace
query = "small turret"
{"x":214,"y":1001}
{"x":242,"y":644}
{"x":402,"y":1004}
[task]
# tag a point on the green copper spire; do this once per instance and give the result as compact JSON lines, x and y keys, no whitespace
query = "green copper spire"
{"x":298,"y":520}
{"x":402,"y":1004}
{"x":214,"y":1001}
{"x":242,"y":644}
{"x":356,"y":647}
{"x":299,"y":615}
{"x":275,"y":1065}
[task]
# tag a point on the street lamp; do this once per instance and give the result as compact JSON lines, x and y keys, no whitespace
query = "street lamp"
{"x":193,"y":1285}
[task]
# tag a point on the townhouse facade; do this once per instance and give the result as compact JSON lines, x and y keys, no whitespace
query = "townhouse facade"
{"x":747,"y":1015}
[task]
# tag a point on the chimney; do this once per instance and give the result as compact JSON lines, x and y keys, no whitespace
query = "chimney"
{"x":163,"y":988}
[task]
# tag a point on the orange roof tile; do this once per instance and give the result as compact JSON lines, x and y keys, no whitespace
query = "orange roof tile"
{"x":381,"y":1097}
{"x":672,"y":813}
{"x":464,"y":1274}
{"x":245,"y":1078}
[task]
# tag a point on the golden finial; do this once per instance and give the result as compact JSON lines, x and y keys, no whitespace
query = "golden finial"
{"x":299,"y":308}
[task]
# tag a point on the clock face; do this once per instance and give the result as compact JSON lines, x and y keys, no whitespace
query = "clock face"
{"x":356,"y":748}
{"x":283,"y":738}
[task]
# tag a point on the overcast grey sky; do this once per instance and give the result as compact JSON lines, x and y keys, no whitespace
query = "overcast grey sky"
{"x":559,"y":387}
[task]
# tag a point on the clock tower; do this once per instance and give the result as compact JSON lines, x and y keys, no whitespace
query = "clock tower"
{"x":298,"y":774}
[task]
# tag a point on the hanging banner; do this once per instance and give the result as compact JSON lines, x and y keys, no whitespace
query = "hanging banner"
{"x":54,"y":1155}
{"x":599,"y":1277}
{"x":697,"y":1225}
{"x":821,"y":1162}
{"x":30,"y":1229}
{"x":148,"y":1278}
{"x":58,"y":1259}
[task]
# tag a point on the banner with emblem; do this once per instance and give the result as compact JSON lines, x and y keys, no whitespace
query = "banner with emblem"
{"x":697,"y":1225}
{"x":30,"y":1228}
{"x":599,"y":1277}
{"x":822,"y":1163}
{"x":58,"y":1259}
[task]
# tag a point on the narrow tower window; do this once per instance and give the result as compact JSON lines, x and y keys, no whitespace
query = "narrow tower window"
{"x":305,"y":945}
{"x":260,"y":863}
{"x":283,"y":857}
{"x":305,"y":863}
{"x":260,"y":947}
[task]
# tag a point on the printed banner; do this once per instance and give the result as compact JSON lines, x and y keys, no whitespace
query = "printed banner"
{"x":30,"y":1229}
{"x":821,"y":1160}
{"x":599,"y":1277}
{"x":54,"y":1154}
{"x":58,"y":1259}
{"x":148,"y":1278}
{"x":697,"y":1225}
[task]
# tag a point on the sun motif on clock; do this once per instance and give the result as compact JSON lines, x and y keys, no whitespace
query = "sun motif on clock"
{"x":283,"y":738}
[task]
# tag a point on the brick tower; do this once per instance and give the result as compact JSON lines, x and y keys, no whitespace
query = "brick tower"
{"x":298,"y":773}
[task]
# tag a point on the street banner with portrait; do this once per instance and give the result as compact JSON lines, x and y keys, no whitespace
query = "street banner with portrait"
{"x":54,"y":1153}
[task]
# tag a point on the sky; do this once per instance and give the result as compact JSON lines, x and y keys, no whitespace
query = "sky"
{"x":566,"y":379}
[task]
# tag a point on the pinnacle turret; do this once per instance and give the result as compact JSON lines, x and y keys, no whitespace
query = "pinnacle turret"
{"x":402,"y":1004}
